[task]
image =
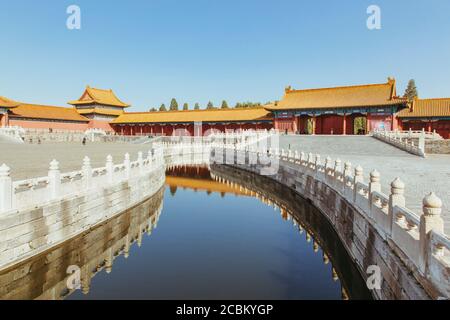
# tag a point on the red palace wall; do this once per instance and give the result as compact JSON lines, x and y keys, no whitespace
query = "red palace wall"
{"x":168,"y":130}
{"x":70,"y":126}
{"x":442,"y":127}
{"x":3,"y":120}
{"x":98,"y":124}
{"x":334,"y":124}
{"x":285,"y":124}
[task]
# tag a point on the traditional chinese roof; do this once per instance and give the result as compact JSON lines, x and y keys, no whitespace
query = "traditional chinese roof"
{"x":382,"y":94}
{"x":427,"y":108}
{"x":7,"y":103}
{"x":103,"y":111}
{"x":215,"y":115}
{"x":99,"y":96}
{"x":34,"y":111}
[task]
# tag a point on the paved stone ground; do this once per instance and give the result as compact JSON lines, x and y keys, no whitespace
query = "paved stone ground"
{"x":32,"y":160}
{"x":420,"y":175}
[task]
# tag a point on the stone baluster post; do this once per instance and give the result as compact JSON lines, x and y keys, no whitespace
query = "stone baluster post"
{"x":302,"y":158}
{"x":6,"y":190}
{"x":421,"y":145}
{"x":140,"y":161}
{"x":317,"y":165}
{"x":310,"y":160}
{"x":359,"y":177}
{"x":337,"y":175}
{"x":87,"y":173}
{"x":337,"y":168}
{"x":109,"y":169}
{"x":127,"y":164}
{"x":374,"y":186}
{"x":430,"y":220}
{"x":327,"y":165}
{"x":149,"y":158}
{"x":54,"y":180}
{"x":347,"y":169}
{"x":396,"y":198}
{"x":290,"y":155}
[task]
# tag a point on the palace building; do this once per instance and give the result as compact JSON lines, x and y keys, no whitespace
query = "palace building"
{"x":33,"y":116}
{"x":428,"y":114}
{"x":337,"y":110}
{"x":100,"y":107}
{"x":167,"y":122}
{"x":334,"y":110}
{"x":5,"y":106}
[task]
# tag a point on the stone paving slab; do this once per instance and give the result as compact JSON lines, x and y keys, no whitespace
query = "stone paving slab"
{"x":420,"y":175}
{"x":32,"y":160}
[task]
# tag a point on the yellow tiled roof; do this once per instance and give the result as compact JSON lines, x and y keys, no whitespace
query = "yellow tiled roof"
{"x":8,"y":103}
{"x":427,"y":108}
{"x":340,"y":97}
{"x":109,"y":112}
{"x":217,"y":115}
{"x":25,"y":110}
{"x":100,"y":96}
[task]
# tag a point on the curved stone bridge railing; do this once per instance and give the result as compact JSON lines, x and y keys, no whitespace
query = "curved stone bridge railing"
{"x":376,"y":221}
{"x":403,"y":141}
{"x":37,"y":214}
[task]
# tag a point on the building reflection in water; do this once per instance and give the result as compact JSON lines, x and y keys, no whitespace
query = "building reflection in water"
{"x":306,"y":218}
{"x":49,"y":275}
{"x":198,"y":178}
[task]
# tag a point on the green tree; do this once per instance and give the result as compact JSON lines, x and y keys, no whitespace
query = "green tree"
{"x":224,"y":105}
{"x":359,"y":125}
{"x":197,"y":106}
{"x":185,"y":106}
{"x":411,"y":90}
{"x":173,"y":105}
{"x":152,"y":109}
{"x":210,"y":105}
{"x":163,"y":107}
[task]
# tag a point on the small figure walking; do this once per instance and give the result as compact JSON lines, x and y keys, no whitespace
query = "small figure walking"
{"x":84,"y":141}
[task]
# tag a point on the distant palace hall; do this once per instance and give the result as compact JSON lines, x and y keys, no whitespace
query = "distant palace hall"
{"x":343,"y":110}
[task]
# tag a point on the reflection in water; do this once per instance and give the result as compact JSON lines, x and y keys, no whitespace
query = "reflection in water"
{"x":304,"y":216}
{"x":46,"y":275}
{"x":217,"y":239}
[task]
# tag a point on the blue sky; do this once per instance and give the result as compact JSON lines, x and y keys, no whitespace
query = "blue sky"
{"x":201,"y":50}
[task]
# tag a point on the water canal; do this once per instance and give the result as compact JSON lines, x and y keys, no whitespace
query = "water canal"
{"x":198,"y":239}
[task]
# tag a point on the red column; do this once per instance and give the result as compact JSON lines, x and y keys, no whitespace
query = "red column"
{"x":368,"y":123}
{"x":344,"y":124}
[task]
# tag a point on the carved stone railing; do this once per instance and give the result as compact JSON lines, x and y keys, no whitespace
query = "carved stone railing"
{"x":31,"y":193}
{"x":13,"y":133}
{"x":419,"y":240}
{"x":404,"y":140}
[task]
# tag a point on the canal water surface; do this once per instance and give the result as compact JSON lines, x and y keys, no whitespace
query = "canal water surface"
{"x":211,"y":240}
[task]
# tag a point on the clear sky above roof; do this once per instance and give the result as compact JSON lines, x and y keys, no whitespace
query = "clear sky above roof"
{"x":201,"y":50}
